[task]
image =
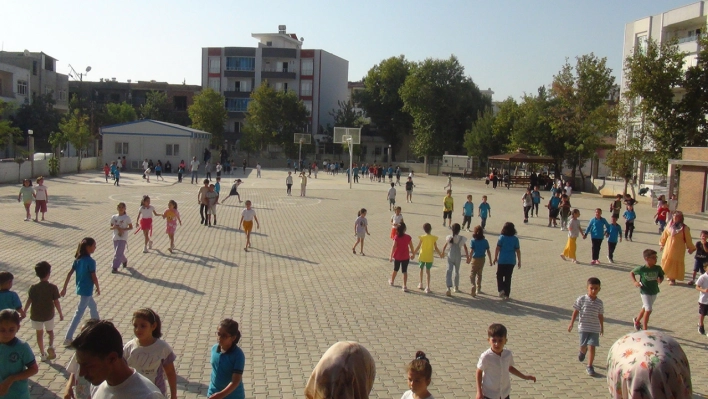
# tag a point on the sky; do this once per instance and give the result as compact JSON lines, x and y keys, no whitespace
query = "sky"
{"x":510,"y":46}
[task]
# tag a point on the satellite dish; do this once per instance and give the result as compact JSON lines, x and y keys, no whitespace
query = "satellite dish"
{"x":302,"y":39}
{"x":27,"y":53}
{"x":88,"y":69}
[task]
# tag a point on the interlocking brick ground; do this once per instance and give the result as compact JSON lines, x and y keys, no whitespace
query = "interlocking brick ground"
{"x":300,"y":289}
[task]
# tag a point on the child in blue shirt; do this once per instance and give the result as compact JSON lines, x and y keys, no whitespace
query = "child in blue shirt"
{"x":9,"y":299}
{"x":467,"y":212}
{"x":484,"y":211}
{"x":17,"y":362}
{"x":227,"y":363}
{"x":596,"y":228}
{"x":85,"y":268}
{"x":536,"y":195}
{"x":630,"y":216}
{"x":614,"y":233}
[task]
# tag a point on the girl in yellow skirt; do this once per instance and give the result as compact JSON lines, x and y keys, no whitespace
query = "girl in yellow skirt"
{"x":574,"y":230}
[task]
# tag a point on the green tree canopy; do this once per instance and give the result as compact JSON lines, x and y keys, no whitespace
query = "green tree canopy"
{"x":479,"y":139}
{"x":41,"y":117}
{"x":346,"y":115}
{"x":156,"y":107}
{"x":119,"y":113}
{"x":208,"y":114}
{"x":74,"y":129}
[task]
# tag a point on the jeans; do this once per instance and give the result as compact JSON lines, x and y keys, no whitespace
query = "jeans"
{"x":596,"y":244}
{"x":466,"y":220}
{"x":484,"y":222}
{"x":535,"y":208}
{"x":195,"y":177}
{"x":526,"y":212}
{"x":628,"y":230}
{"x":203,"y":212}
{"x":504,"y":278}
{"x":453,"y":263}
{"x":611,"y":250}
{"x":84,"y":301}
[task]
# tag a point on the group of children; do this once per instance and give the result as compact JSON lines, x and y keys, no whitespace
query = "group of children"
{"x":38,"y":194}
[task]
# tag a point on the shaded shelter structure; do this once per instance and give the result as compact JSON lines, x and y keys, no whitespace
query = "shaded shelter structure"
{"x":520,"y":157}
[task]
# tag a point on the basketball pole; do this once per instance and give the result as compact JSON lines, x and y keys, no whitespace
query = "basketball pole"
{"x":351,"y":156}
{"x":299,"y":155}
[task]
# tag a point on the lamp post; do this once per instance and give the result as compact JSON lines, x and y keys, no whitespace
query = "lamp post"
{"x":388,"y":155}
{"x":80,"y":79}
{"x":30,"y":134}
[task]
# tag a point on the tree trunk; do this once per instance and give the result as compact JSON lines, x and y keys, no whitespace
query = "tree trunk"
{"x":582,"y":176}
{"x":626,"y":183}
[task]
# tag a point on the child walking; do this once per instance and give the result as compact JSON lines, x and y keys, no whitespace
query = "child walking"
{"x":536,"y":199}
{"x":565,"y":211}
{"x":596,"y":228}
{"x":454,"y":257}
{"x":41,"y":198}
{"x":616,"y":205}
{"x":574,"y":230}
{"x":145,"y":214}
{"x":419,"y":373}
{"x":527,"y":203}
{"x":227,"y":363}
{"x":171,"y":215}
{"x":427,"y":243}
{"x":409,"y":189}
{"x":467,"y":212}
{"x":120,"y":223}
{"x":9,"y":299}
{"x":588,"y":309}
{"x":702,"y":287}
{"x":701,"y":257}
{"x":448,"y":207}
{"x":248,"y":215}
{"x":42,"y":298}
{"x":614,"y":233}
{"x":85,"y":268}
{"x":495,"y":366}
{"x":391,"y":196}
{"x":506,"y":255}
{"x":117,"y":177}
{"x":484,"y":211}
{"x":361,"y":230}
{"x":288,"y":184}
{"x":396,"y":220}
{"x":402,"y":253}
{"x":108,"y":170}
{"x":26,"y":195}
{"x":478,"y":246}
{"x":212,"y":198}
{"x":650,"y":276}
{"x":148,"y":354}
{"x":629,"y":216}
{"x":20,"y":364}
{"x":662,"y":212}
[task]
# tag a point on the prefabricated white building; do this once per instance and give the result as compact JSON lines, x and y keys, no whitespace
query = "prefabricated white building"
{"x":153,"y":140}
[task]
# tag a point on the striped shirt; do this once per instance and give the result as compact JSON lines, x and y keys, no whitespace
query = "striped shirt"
{"x":589,"y":311}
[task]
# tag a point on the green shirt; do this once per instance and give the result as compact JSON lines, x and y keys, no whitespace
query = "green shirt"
{"x":448,"y":204}
{"x":649,"y":278}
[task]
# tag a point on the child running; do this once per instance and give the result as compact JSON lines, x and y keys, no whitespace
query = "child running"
{"x":419,"y":374}
{"x":574,"y":230}
{"x":26,"y":196}
{"x":614,"y":233}
{"x":120,"y":223}
{"x":629,"y":216}
{"x":448,"y":207}
{"x":454,"y":257}
{"x":402,"y":253}
{"x":467,"y":212}
{"x":148,"y":354}
{"x":171,"y":216}
{"x":18,"y":363}
{"x":248,"y":215}
{"x":42,"y":298}
{"x":702,"y":287}
{"x":396,"y":220}
{"x":588,"y":309}
{"x":596,"y":228}
{"x":108,"y":170}
{"x":227,"y":363}
{"x":361,"y":230}
{"x":478,"y":246}
{"x":494,"y":366}
{"x":426,"y":245}
{"x":485,"y":211}
{"x":85,"y":268}
{"x":41,"y":198}
{"x":391,"y":196}
{"x":650,"y":276}
{"x":145,"y":214}
{"x":234,"y":190}
{"x":701,"y":257}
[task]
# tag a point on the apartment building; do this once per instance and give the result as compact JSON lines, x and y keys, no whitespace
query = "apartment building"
{"x":24,"y":74}
{"x":318,"y":77}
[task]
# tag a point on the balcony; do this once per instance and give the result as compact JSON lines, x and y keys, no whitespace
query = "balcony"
{"x":237,"y":94}
{"x":240,"y":74}
{"x":272,"y":72}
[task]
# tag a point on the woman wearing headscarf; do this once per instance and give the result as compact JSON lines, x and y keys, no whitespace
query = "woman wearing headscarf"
{"x":675,"y":240}
{"x":345,"y":371}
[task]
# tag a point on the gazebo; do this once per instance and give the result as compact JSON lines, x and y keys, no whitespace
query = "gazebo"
{"x":519,"y":157}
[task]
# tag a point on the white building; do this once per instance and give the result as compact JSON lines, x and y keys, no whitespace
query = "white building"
{"x":152,"y":140}
{"x":26,"y":73}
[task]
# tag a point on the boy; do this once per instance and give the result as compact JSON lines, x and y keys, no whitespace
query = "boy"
{"x":448,"y":207}
{"x":41,"y":198}
{"x":16,"y":357}
{"x":495,"y":365}
{"x":701,"y":256}
{"x":212,"y":198}
{"x":591,"y":321}
{"x":596,"y":227}
{"x":449,"y":182}
{"x":9,"y":299}
{"x":536,"y":199}
{"x":484,"y":211}
{"x":702,"y":287}
{"x":467,"y":212}
{"x":409,"y":190}
{"x":43,"y":297}
{"x":629,"y":216}
{"x":120,"y":223}
{"x":650,"y":276}
{"x":117,"y":177}
{"x":554,"y":208}
{"x":426,"y":244}
{"x":217,"y":186}
{"x":614,"y":233}
{"x":248,"y":215}
{"x":616,"y":206}
{"x":391,"y":197}
{"x":258,"y":169}
{"x":661,"y":214}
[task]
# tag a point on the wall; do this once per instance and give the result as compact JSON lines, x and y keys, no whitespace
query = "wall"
{"x":9,"y":170}
{"x":150,"y":147}
{"x":333,"y":85}
{"x":692,"y":188}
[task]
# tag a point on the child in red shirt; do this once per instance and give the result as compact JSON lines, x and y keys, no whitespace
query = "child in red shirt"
{"x":661,"y":213}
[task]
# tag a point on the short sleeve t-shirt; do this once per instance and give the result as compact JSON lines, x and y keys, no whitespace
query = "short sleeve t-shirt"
{"x":223,"y":366}
{"x":427,"y":247}
{"x":40,"y":192}
{"x":43,"y":295}
{"x":409,"y":395}
{"x":409,"y":186}
{"x":26,"y":193}
{"x":402,"y":247}
{"x":649,"y":278}
{"x":9,"y":300}
{"x":147,"y":212}
{"x":701,"y":253}
{"x":661,"y":213}
{"x":397,"y":219}
{"x":15,"y":357}
{"x":84,"y":267}
{"x":479,"y":247}
{"x":122,"y":221}
{"x":248,"y":215}
{"x":468,"y":208}
{"x":194,"y":166}
{"x":361,"y":224}
{"x":211,"y":197}
{"x":392,"y":193}
{"x":496,"y":382}
{"x":484,"y":209}
{"x":136,"y":386}
{"x":703,"y":283}
{"x":508,"y":245}
{"x":150,"y":360}
{"x":448,"y":204}
{"x":589,"y":312}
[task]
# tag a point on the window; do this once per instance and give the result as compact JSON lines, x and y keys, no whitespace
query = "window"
{"x":180,"y":103}
{"x":22,"y":87}
{"x":237,"y":104}
{"x":62,"y":95}
{"x":34,"y":68}
{"x":237,"y":127}
{"x":307,"y":66}
{"x":240,"y":64}
{"x":641,"y":44}
{"x":214,"y":64}
{"x":308,"y":106}
{"x":48,"y":90}
{"x":121,"y":148}
{"x":215,"y":84}
{"x":306,"y":88}
{"x":269,"y":44}
{"x":243,"y":86}
{"x":172,"y":150}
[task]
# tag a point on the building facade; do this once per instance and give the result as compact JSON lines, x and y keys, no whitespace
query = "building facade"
{"x":318,"y":77}
{"x":24,"y":74}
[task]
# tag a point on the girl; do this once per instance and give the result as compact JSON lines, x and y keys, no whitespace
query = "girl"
{"x":26,"y":195}
{"x":701,"y":257}
{"x":361,"y":230}
{"x":565,"y":211}
{"x":148,"y":354}
{"x":234,"y":191}
{"x":145,"y":214}
{"x":401,"y":253}
{"x":227,"y":363}
{"x":478,"y":246}
{"x":41,"y":198}
{"x":507,"y":247}
{"x":396,"y":220}
{"x":85,"y":268}
{"x":574,"y":230}
{"x":78,"y":387}
{"x":158,"y":171}
{"x":527,"y":203}
{"x":419,"y":374}
{"x":120,"y":223}
{"x":172,"y":216}
{"x":536,"y":199}
{"x":454,"y":256}
{"x":106,"y":171}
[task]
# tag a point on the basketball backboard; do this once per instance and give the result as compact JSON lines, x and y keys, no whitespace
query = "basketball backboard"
{"x":344,"y":135}
{"x":302,"y":138}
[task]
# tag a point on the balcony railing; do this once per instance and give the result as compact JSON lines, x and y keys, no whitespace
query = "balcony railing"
{"x":273,"y":68}
{"x":239,"y":68}
{"x":689,"y":39}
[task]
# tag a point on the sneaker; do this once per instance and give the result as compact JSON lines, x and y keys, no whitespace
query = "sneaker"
{"x":145,"y":250}
{"x":150,"y":244}
{"x":390,"y":282}
{"x":420,"y":286}
{"x":456,"y":290}
{"x":51,"y":353}
{"x":447,"y":293}
{"x":67,"y":342}
{"x":610,"y":260}
{"x":590,"y":370}
{"x":43,"y":357}
{"x":405,"y":289}
{"x":501,"y":294}
{"x":637,"y":326}
{"x":427,"y":290}
{"x":701,"y":330}
{"x":581,"y":356}
{"x":691,"y":282}
{"x":114,"y":271}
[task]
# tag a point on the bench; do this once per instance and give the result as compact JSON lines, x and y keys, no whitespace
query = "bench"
{"x":522,"y":181}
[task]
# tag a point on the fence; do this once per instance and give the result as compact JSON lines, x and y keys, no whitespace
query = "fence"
{"x":11,"y":172}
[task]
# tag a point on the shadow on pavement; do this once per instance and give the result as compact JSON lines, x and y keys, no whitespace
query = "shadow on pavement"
{"x":193,"y":387}
{"x":40,"y":391}
{"x":29,"y":237}
{"x":284,"y":256}
{"x":203,"y":259}
{"x":58,"y":225}
{"x":163,"y":283}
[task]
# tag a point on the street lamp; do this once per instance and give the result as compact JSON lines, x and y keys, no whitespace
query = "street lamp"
{"x":30,"y":134}
{"x":388,"y":155}
{"x":80,"y":79}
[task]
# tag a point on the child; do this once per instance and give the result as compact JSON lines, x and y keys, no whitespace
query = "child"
{"x":661,"y":214}
{"x":9,"y":299}
{"x":402,"y":252}
{"x":702,"y":287}
{"x":219,"y":168}
{"x":672,"y":203}
{"x":107,"y":170}
{"x":478,"y":246}
{"x":448,"y":207}
{"x":614,"y":233}
{"x":596,"y":227}
{"x":419,"y":375}
{"x":147,"y":174}
{"x":495,"y":365}
{"x":120,"y":223}
{"x":361,"y":230}
{"x":172,"y":217}
{"x":527,"y":203}
{"x":85,"y":268}
{"x":258,"y":169}
{"x":391,"y":196}
{"x":701,"y":256}
{"x":117,"y":177}
{"x":484,"y":211}
{"x":467,"y":212}
{"x":507,"y":254}
{"x":158,"y":172}
{"x":145,"y":214}
{"x":217,"y":185}
{"x":396,"y":220}
{"x":659,"y":203}
{"x":78,"y":387}
{"x":568,"y":189}
{"x":449,"y":183}
{"x":616,"y":205}
{"x":22,"y":364}
{"x":574,"y":230}
{"x":180,"y":172}
{"x":288,"y":184}
{"x":426,"y":244}
{"x":248,"y":215}
{"x":591,"y":321}
{"x":148,"y":354}
{"x":43,"y":297}
{"x":650,"y":276}
{"x":212,"y":198}
{"x":454,"y":257}
{"x":26,"y":194}
{"x":630,"y":216}
{"x":409,"y":190}
{"x":536,"y":199}
{"x":553,"y":208}
{"x":234,"y":190}
{"x":41,"y":198}
{"x":565,"y":211}
{"x":227,"y":363}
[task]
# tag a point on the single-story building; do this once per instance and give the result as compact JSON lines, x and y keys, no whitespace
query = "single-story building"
{"x":693,"y":180}
{"x":153,"y":140}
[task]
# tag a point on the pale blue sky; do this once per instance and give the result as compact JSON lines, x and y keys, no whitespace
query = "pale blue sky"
{"x":509,"y":46}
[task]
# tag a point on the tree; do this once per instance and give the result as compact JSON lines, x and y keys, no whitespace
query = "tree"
{"x":346,"y":115}
{"x":622,"y":160}
{"x":156,"y":107}
{"x":9,"y":134}
{"x":479,"y":139}
{"x":208,"y":114}
{"x":119,"y":113}
{"x":694,"y":104}
{"x":75,"y":130}
{"x":41,"y":117}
